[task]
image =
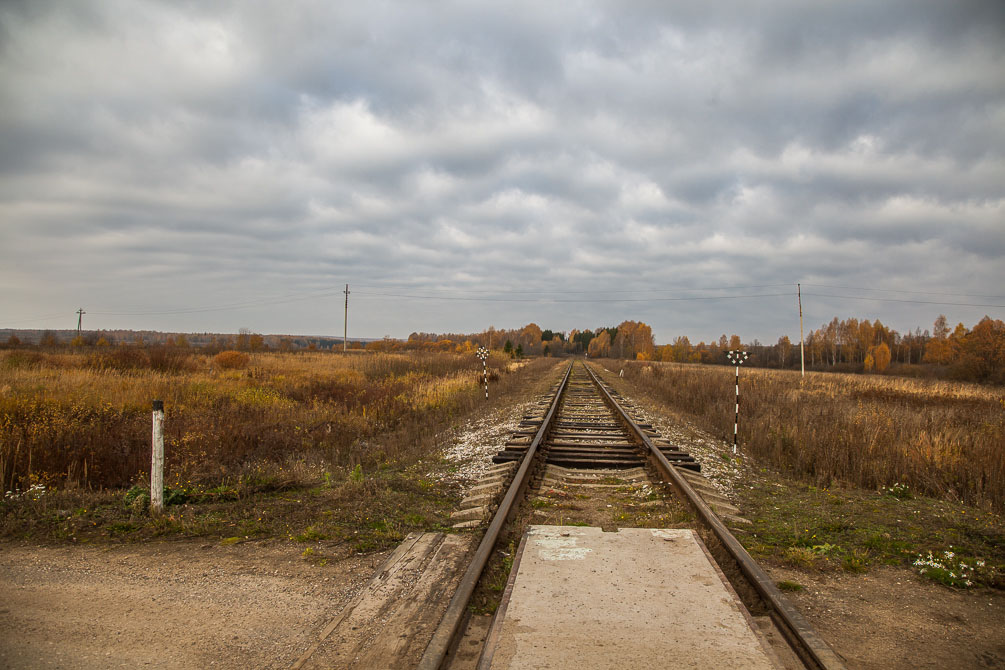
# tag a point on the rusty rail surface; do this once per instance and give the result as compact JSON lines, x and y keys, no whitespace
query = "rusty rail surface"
{"x":801,"y":636}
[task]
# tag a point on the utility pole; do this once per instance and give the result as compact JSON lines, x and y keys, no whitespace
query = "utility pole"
{"x":345,"y":323}
{"x":80,"y":318}
{"x":802,"y":355}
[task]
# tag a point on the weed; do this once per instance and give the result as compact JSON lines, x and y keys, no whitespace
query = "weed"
{"x":231,"y":360}
{"x":952,"y":570}
{"x":310,"y":534}
{"x":786,"y":585}
{"x":898,"y":491}
{"x":856,"y":561}
{"x":802,"y":557}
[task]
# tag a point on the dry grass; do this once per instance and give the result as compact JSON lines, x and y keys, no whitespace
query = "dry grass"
{"x":939,"y":438}
{"x":83,"y":419}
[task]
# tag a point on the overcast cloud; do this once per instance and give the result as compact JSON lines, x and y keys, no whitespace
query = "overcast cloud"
{"x":208,"y":166}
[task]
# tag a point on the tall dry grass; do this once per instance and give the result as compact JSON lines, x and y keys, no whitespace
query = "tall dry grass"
{"x":83,"y":419}
{"x":941,"y":438}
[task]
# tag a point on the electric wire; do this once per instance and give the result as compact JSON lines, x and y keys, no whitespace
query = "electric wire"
{"x":474,"y":295}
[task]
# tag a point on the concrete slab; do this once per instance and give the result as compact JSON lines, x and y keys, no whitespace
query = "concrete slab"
{"x":639,"y":598}
{"x":394,"y":616}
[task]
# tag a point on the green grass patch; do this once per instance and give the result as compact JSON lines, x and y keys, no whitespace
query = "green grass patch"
{"x":361,"y":515}
{"x":854,"y":530}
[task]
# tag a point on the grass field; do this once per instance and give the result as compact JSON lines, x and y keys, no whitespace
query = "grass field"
{"x":851,"y":472}
{"x":937,"y":438}
{"x":309,"y":446}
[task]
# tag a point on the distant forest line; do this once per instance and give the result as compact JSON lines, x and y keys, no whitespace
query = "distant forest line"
{"x":846,"y":345}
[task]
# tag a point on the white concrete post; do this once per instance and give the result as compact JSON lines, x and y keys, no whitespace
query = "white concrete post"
{"x":157,"y":460}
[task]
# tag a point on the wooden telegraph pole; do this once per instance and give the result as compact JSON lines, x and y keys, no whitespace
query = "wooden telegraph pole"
{"x":802,"y":355}
{"x":345,"y":322}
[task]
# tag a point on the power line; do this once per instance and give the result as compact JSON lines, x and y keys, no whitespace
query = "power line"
{"x":583,"y":300}
{"x":292,"y":297}
{"x":894,"y":290}
{"x":920,"y":302}
{"x":569,"y":292}
{"x":48,"y":317}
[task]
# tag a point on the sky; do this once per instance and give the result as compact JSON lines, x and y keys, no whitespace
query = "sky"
{"x":211,"y":166}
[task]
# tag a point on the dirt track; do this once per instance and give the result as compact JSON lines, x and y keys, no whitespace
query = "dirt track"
{"x":167,"y":605}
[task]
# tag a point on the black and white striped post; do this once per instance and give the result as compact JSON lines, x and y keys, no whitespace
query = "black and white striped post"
{"x":483,"y":354}
{"x":737,"y":358}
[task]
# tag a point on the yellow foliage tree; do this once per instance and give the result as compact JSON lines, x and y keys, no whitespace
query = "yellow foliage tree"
{"x":600,"y":346}
{"x":881,"y":356}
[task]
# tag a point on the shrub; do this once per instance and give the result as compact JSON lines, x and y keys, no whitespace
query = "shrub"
{"x":231,"y":360}
{"x":168,"y":359}
{"x":120,"y":358}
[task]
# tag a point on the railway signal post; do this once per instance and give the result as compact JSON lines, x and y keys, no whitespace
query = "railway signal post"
{"x":483,"y":354}
{"x":737,"y":358}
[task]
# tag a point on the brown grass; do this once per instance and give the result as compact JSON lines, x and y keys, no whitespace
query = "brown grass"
{"x":940,"y":438}
{"x":83,"y":419}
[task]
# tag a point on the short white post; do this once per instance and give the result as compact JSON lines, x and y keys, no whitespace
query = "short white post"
{"x":157,"y":460}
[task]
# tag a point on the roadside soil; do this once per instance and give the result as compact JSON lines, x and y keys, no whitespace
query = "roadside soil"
{"x":888,"y":618}
{"x":168,"y":605}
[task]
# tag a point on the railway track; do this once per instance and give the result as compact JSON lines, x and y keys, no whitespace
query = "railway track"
{"x":584,"y":434}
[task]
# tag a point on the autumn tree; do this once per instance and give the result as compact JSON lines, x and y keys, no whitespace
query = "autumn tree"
{"x":634,"y":339}
{"x":881,"y":356}
{"x":939,"y":350}
{"x":600,"y":346}
{"x":982,"y":355}
{"x":681,"y":348}
{"x":784,"y":347}
{"x":530,"y":337}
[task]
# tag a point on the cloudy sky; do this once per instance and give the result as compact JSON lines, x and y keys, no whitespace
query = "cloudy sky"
{"x":207,"y":166}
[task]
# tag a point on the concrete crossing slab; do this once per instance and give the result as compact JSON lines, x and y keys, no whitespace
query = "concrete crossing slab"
{"x":580,"y":598}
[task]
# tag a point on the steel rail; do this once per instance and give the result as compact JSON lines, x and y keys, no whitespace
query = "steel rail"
{"x":800,"y":634}
{"x":439,"y":645}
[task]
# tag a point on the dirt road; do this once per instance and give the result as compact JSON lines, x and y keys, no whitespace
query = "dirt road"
{"x":167,"y":605}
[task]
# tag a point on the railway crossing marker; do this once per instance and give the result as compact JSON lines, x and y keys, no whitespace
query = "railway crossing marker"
{"x":483,"y":354}
{"x":737,"y":358}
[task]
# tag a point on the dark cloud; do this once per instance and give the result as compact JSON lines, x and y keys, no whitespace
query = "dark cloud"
{"x":214,"y":153}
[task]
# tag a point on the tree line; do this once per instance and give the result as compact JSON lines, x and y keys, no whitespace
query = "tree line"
{"x":846,"y":345}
